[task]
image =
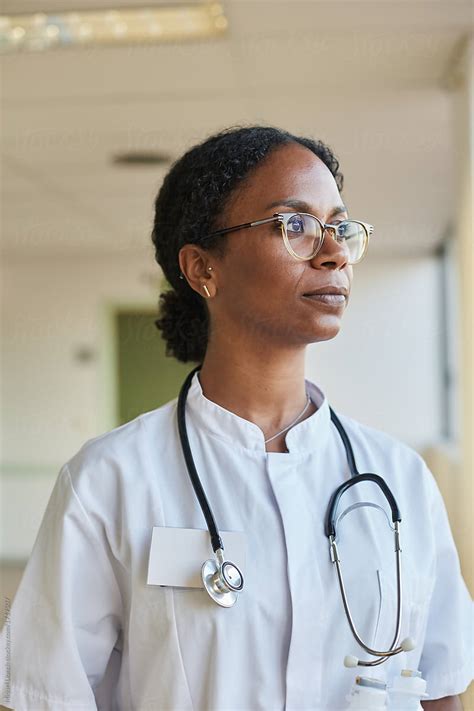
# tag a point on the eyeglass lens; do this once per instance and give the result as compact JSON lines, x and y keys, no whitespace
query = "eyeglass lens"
{"x":305,"y":236}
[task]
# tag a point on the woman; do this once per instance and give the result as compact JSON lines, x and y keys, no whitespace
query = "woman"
{"x":91,"y":628}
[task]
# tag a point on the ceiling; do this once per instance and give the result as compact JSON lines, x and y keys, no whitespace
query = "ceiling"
{"x":369,"y":78}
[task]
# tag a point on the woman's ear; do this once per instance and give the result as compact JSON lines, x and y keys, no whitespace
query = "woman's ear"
{"x":194,"y":263}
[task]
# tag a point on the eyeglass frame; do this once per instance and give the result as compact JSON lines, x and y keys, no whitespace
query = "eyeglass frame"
{"x":280,"y":218}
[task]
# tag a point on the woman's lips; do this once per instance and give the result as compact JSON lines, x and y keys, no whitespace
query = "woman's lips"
{"x":327,"y":299}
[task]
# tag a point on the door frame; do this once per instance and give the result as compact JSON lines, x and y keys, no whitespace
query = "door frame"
{"x":108,"y":386}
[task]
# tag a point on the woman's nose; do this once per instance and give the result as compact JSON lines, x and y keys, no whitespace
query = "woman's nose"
{"x":333,"y":253}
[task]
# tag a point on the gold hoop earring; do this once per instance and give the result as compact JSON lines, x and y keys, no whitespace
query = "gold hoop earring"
{"x":204,"y":286}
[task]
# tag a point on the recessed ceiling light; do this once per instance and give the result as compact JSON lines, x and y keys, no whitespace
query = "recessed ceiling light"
{"x":141,"y":158}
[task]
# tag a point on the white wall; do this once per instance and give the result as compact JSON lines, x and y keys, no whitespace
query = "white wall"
{"x":52,"y":402}
{"x":382,"y":368}
{"x":53,"y":308}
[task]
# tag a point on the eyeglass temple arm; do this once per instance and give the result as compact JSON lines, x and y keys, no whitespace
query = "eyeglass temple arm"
{"x":369,"y":228}
{"x":244,"y":226}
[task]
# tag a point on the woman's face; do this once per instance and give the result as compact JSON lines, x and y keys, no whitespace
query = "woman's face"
{"x":260,"y":286}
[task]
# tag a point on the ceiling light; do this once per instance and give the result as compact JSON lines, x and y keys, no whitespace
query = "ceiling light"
{"x":43,"y":31}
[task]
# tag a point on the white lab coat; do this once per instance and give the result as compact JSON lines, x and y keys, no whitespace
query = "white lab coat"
{"x":87,"y":632}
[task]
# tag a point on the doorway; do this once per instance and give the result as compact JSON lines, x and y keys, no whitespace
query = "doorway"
{"x":146,"y":377}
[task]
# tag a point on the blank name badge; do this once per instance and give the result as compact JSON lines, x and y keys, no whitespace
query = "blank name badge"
{"x":177,"y":555}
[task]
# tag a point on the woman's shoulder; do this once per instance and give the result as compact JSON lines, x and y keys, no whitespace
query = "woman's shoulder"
{"x":376,"y":447}
{"x":369,"y":440}
{"x":123,"y":450}
{"x":378,"y":437}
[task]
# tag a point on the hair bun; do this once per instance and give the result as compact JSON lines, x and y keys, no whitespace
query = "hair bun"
{"x":183,"y":322}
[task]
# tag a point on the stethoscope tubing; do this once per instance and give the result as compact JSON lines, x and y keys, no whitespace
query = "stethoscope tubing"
{"x":330,"y":522}
{"x":330,"y":525}
{"x":393,"y":649}
{"x":216,"y":540}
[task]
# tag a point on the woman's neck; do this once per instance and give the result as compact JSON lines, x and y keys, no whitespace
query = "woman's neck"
{"x":266,"y":388}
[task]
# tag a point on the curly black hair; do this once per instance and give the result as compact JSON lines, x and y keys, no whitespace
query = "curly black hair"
{"x":189,"y":205}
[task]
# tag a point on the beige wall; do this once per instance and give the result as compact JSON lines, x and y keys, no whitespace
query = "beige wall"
{"x":462,"y":494}
{"x":464,"y":132}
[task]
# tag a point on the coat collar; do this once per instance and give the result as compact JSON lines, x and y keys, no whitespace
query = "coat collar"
{"x":303,"y":437}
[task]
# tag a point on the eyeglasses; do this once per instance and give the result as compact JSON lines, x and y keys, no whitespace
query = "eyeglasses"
{"x":303,"y":234}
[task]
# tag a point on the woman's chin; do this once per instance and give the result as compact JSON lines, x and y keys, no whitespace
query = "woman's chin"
{"x":325,"y":331}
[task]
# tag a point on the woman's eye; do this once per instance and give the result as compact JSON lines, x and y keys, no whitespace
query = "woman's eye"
{"x":296,"y":224}
{"x":343,"y":228}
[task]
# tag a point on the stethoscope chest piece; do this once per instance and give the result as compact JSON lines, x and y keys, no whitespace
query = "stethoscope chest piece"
{"x":223,"y":581}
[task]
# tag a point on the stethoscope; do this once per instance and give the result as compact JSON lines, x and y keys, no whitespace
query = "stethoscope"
{"x":223,"y":580}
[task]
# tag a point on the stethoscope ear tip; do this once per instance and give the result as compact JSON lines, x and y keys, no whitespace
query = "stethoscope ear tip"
{"x":408,"y":644}
{"x":350,"y":661}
